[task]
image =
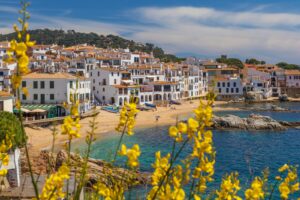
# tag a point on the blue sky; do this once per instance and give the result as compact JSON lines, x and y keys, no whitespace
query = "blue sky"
{"x":265,"y":29}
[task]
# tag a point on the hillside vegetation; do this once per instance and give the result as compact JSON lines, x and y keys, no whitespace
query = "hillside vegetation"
{"x":71,"y":37}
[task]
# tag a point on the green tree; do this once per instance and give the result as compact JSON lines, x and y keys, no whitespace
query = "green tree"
{"x":285,"y":65}
{"x":10,"y":124}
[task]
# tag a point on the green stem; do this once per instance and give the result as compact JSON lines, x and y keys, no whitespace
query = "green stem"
{"x":273,"y":190}
{"x":193,"y":184}
{"x":119,"y":143}
{"x":84,"y":168}
{"x":69,"y":155}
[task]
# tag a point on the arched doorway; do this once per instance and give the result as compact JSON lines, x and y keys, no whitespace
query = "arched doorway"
{"x":142,"y":98}
{"x":157,"y":97}
{"x":120,"y":101}
{"x":113,"y":100}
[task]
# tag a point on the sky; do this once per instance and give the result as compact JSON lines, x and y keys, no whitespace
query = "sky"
{"x":264,"y":29}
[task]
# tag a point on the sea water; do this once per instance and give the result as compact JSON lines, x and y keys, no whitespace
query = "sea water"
{"x":247,"y":152}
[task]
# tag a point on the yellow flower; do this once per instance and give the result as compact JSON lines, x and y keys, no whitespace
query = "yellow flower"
{"x":131,"y":154}
{"x":182,"y":127}
{"x":255,"y":192}
{"x":53,"y":188}
{"x":283,"y":168}
{"x":173,"y":131}
{"x":21,"y":49}
{"x":193,"y":124}
{"x":229,"y":187}
{"x":25,"y":91}
{"x":127,"y":118}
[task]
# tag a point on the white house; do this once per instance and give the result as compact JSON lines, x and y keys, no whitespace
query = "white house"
{"x":292,"y":78}
{"x":56,"y":88}
{"x":6,"y":101}
{"x":229,"y":88}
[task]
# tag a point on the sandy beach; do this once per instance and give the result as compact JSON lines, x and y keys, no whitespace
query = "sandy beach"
{"x":41,"y":138}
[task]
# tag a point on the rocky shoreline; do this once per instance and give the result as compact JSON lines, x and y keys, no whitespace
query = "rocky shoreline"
{"x":252,"y":122}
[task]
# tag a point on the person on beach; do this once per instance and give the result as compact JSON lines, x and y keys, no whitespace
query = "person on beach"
{"x":157,"y":118}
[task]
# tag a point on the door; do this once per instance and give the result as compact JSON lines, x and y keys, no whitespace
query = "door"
{"x":42,"y":98}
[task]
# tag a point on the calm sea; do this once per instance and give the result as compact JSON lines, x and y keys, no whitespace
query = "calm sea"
{"x":247,"y":152}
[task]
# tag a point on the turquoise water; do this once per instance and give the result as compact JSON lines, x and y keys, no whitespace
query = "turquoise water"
{"x":243,"y":151}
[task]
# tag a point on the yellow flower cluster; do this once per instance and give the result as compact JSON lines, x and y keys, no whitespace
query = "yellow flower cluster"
{"x":255,"y":192}
{"x":290,"y":183}
{"x":109,"y":193}
{"x":204,"y":113}
{"x":5,"y":146}
{"x":18,"y":53}
{"x":53,"y":188}
{"x":127,"y":118}
{"x":131,"y":154}
{"x":182,"y":128}
{"x":161,"y":166}
{"x":229,"y":187}
{"x":71,"y":126}
{"x":203,"y":150}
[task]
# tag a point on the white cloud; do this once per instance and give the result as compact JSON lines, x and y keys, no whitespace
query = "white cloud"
{"x":198,"y":30}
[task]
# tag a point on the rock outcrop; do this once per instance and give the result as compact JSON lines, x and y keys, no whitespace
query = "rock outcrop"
{"x":97,"y":169}
{"x":253,"y":122}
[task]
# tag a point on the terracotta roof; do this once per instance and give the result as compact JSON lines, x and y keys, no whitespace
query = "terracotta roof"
{"x":222,"y":69}
{"x":292,"y":72}
{"x":58,"y":75}
{"x":164,"y":83}
{"x":126,"y":86}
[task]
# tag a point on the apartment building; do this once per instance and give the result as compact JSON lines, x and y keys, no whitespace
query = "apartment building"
{"x":55,"y":89}
{"x":229,"y":88}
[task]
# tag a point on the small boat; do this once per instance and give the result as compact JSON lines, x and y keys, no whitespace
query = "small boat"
{"x":112,"y":109}
{"x":150,"y":105}
{"x":144,"y":108}
{"x":283,"y":97}
{"x":175,"y":102}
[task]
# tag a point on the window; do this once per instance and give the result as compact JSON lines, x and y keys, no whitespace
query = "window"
{"x":157,"y":78}
{"x":220,"y":90}
{"x":104,"y":82}
{"x":234,"y":84}
{"x":51,"y":96}
{"x":42,"y":84}
{"x":231,"y":90}
{"x":35,"y":84}
{"x":223,"y":84}
{"x":51,"y":84}
{"x":103,"y":97}
{"x":228,"y":84}
{"x":91,"y":73}
{"x":35,"y":97}
{"x":112,"y":73}
{"x":98,"y":73}
{"x":1,"y":105}
{"x":219,"y":84}
{"x":115,"y":81}
{"x":103,"y":89}
{"x":237,"y":90}
{"x":23,"y":96}
{"x":227,"y":90}
{"x":23,"y":83}
{"x":93,"y":87}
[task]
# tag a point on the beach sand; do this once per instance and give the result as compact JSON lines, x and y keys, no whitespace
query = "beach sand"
{"x":41,"y":138}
